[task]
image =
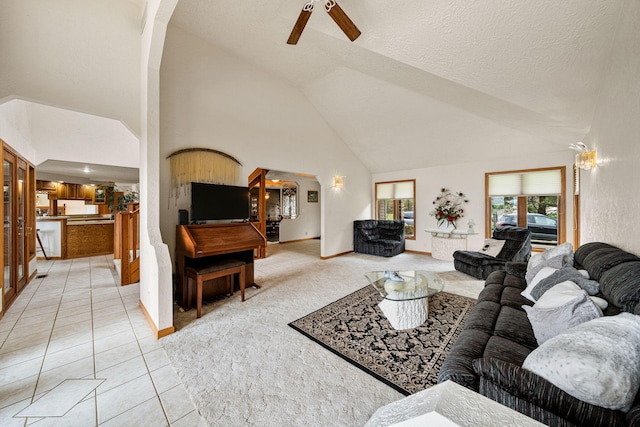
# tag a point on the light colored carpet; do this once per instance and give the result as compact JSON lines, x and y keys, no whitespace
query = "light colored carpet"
{"x":242,"y":364}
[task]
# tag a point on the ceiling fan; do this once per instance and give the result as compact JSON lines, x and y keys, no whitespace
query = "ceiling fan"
{"x":336,"y":13}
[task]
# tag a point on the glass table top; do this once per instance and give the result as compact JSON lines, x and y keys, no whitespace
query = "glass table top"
{"x":405,"y":285}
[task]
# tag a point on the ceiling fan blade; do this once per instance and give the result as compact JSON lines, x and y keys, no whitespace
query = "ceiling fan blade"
{"x":304,"y":16}
{"x":343,"y":21}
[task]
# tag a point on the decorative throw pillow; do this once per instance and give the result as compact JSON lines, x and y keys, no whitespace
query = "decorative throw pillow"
{"x":565,"y":249}
{"x":565,"y":273}
{"x":564,"y":292}
{"x":542,"y":274}
{"x":557,"y":262}
{"x":549,"y":322}
{"x":597,"y":362}
{"x":492,"y":247}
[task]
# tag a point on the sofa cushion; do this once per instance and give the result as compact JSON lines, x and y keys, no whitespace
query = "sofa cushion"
{"x":549,"y":320}
{"x":585,"y":250}
{"x":483,"y":316}
{"x":621,"y":285}
{"x":475,"y":258}
{"x":512,"y":297}
{"x":513,"y":386}
{"x":517,"y":269}
{"x":370,"y":234}
{"x":565,"y":249}
{"x":512,"y":324}
{"x":457,"y":367}
{"x":507,"y":350}
{"x":510,"y":251}
{"x":556,"y":262}
{"x":542,"y":273}
{"x":562,"y":293}
{"x":601,"y":260}
{"x":597,"y":361}
{"x":566,"y":273}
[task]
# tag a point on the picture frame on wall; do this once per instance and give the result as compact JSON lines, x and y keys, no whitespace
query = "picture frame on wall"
{"x":100,"y":196}
{"x":312,"y":196}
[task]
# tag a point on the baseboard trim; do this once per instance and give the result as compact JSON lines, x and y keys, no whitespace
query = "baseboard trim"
{"x":418,"y":252}
{"x":298,"y":240}
{"x":336,"y":255}
{"x":158,"y":333}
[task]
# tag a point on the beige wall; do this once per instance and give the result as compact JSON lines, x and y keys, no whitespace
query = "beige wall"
{"x":610,"y":201}
{"x":469,"y":179}
{"x":212,"y":99}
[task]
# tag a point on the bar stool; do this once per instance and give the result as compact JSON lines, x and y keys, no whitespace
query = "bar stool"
{"x":40,"y":243}
{"x":200,"y":275}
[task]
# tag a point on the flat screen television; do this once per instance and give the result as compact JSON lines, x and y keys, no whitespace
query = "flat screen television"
{"x":218,"y":202}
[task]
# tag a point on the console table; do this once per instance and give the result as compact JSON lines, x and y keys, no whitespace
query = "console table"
{"x":446,"y":242}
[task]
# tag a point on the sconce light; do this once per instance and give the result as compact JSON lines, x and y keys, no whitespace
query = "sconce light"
{"x":338,"y":181}
{"x":586,"y":158}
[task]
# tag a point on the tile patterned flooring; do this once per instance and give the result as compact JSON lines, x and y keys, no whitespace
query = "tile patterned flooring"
{"x":76,"y":350}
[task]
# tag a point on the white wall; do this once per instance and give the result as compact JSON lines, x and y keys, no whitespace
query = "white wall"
{"x":77,"y":54}
{"x":212,"y":99}
{"x":156,"y":286}
{"x":15,"y":130}
{"x":610,"y":203}
{"x":469,"y":178}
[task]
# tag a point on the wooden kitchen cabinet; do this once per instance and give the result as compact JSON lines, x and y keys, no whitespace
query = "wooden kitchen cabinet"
{"x":85,"y":192}
{"x":72,"y":191}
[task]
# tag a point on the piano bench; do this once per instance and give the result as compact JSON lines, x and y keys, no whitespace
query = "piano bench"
{"x":212,"y":271}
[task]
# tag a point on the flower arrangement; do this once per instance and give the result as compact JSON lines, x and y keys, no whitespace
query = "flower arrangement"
{"x":448,"y":207}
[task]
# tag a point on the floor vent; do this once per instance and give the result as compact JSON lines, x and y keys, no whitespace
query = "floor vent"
{"x":41,"y":276}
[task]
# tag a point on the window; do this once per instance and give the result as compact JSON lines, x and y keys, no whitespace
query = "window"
{"x":529,"y":198}
{"x":290,"y":200}
{"x":396,"y":200}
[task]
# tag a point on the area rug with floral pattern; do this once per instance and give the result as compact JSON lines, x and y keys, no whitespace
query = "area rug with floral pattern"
{"x":409,"y":360}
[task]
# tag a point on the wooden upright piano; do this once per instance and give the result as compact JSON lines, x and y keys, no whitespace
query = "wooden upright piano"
{"x":196,"y":245}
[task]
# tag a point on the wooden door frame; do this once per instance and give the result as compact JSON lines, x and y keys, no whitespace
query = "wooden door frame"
{"x":22,"y":164}
{"x":7,"y":299}
{"x":259,"y":178}
{"x":28,"y":226}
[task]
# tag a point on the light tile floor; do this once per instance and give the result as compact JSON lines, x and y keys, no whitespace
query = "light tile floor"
{"x":76,"y":350}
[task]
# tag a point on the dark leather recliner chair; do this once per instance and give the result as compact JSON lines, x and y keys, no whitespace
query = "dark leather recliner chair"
{"x":378,"y":237}
{"x":516,"y":248}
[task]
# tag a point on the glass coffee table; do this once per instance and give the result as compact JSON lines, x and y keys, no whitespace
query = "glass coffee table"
{"x":406,"y":295}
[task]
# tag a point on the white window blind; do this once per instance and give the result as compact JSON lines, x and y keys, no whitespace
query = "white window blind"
{"x":541,"y":183}
{"x":394,"y":190}
{"x":505,"y":184}
{"x":384,"y":191}
{"x":403,"y":190}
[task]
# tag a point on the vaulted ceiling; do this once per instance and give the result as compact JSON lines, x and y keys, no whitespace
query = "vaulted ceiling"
{"x":436,"y":81}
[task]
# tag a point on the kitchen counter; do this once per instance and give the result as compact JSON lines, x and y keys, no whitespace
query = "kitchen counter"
{"x":89,"y":222}
{"x":75,"y":236}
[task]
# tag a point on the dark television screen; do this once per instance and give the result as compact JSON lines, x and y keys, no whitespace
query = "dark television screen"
{"x":216,"y":202}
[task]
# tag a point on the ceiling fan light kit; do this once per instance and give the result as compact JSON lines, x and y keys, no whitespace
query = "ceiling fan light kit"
{"x":335,"y":12}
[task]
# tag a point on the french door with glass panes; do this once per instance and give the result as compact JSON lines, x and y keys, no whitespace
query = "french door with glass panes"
{"x":17,"y":227}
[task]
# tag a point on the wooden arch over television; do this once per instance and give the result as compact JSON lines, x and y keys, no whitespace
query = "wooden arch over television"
{"x":258,"y":206}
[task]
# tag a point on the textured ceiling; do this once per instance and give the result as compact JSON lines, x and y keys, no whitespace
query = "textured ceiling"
{"x":476,"y":78}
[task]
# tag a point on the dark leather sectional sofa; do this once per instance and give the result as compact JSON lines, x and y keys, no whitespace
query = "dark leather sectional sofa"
{"x":488,"y":355}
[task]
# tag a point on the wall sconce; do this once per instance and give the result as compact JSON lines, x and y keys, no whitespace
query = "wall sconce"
{"x":338,"y":181}
{"x":586,"y":158}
